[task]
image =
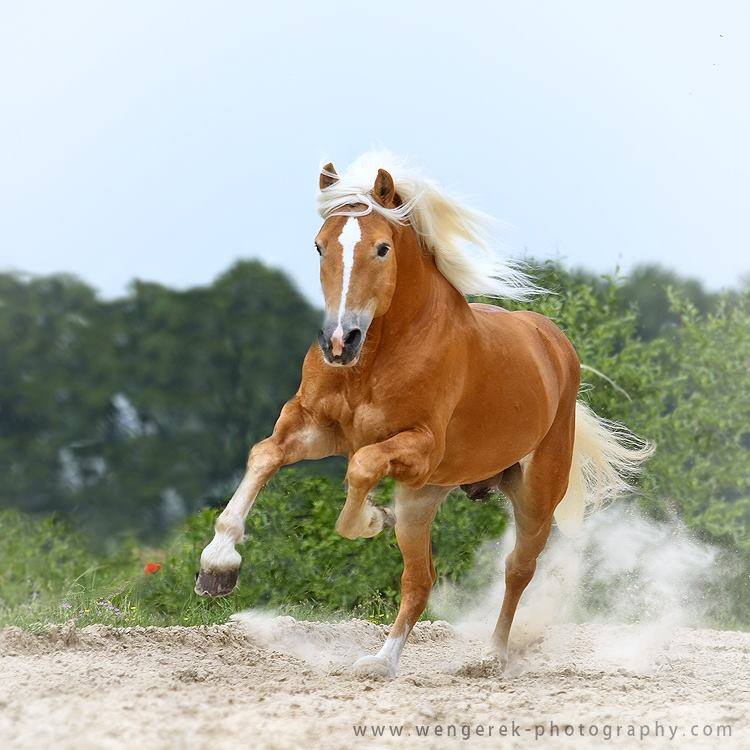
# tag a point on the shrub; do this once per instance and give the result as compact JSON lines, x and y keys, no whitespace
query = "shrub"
{"x":292,"y":559}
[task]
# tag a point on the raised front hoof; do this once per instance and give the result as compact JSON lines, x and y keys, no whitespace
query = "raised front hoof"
{"x":379,"y":518}
{"x":374,"y":666}
{"x":216,"y":583}
{"x":389,"y":518}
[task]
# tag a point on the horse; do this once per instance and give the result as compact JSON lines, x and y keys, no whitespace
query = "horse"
{"x":409,"y":380}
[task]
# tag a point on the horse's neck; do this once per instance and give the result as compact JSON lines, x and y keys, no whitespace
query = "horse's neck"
{"x":422,"y":296}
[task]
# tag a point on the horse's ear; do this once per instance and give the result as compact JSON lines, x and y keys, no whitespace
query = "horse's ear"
{"x":384,"y":190}
{"x":328,"y":176}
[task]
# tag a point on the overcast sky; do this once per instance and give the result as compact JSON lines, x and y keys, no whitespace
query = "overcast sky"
{"x":164,"y":140}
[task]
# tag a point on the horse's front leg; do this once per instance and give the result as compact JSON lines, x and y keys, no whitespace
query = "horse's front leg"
{"x":415,"y":511}
{"x":405,"y":456}
{"x":295,"y":437}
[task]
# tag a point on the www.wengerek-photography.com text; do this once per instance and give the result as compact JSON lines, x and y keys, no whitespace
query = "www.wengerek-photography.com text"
{"x":549,"y":729}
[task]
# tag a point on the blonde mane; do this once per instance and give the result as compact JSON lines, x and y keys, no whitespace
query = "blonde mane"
{"x":454,"y":233}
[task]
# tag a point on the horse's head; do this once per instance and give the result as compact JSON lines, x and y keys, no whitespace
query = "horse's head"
{"x":357,"y":269}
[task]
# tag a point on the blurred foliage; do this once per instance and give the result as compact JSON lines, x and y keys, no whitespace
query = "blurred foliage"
{"x":687,"y":390}
{"x":292,"y":559}
{"x":127,"y":417}
{"x":129,"y":414}
{"x":646,"y":290}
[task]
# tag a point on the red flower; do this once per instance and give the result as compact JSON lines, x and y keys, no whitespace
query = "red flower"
{"x":151,"y":567}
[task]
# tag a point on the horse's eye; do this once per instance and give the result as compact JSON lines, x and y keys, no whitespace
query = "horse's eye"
{"x":383,"y":249}
{"x":317,"y":247}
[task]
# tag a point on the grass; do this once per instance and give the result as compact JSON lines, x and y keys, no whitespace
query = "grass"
{"x":293,"y":562}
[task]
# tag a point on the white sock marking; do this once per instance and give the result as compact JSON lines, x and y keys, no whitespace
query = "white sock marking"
{"x":220,"y":554}
{"x":387,"y":657}
{"x":392,"y":649}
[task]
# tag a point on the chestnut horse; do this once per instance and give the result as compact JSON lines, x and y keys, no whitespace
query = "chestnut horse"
{"x":409,"y":380}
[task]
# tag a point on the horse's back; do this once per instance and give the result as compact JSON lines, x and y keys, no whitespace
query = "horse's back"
{"x":530,"y":336}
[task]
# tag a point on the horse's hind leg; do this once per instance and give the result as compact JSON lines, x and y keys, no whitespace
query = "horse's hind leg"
{"x":535,"y":491}
{"x":415,"y":512}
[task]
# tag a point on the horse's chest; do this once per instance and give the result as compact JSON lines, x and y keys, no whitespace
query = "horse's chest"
{"x":361,"y":422}
{"x":371,"y":422}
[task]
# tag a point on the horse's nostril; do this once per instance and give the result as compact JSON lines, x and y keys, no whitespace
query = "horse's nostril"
{"x":353,"y":337}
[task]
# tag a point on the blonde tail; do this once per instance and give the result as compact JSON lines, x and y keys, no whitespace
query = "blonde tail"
{"x":606,"y":455}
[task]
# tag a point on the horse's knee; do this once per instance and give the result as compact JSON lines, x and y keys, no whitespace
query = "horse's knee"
{"x":362,"y":470}
{"x":265,"y":457}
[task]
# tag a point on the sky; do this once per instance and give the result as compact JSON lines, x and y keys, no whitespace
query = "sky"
{"x":163,"y":141}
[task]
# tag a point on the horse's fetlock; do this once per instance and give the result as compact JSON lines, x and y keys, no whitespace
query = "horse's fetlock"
{"x":220,"y":554}
{"x":230,"y":528}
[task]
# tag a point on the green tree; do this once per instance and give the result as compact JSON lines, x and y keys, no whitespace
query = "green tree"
{"x":131,"y":413}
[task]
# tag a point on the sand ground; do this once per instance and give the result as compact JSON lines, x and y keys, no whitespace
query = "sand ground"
{"x":264,"y":682}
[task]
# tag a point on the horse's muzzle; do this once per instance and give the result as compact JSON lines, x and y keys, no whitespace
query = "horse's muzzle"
{"x":341,"y":343}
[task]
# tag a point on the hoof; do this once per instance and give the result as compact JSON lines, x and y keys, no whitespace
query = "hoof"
{"x":374,"y":666}
{"x":492,"y":665}
{"x":215,"y":583}
{"x":389,"y":518}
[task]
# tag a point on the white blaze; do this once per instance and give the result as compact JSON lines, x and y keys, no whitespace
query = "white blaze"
{"x":350,"y":235}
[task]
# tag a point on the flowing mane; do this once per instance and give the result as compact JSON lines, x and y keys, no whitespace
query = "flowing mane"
{"x":454,"y":233}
